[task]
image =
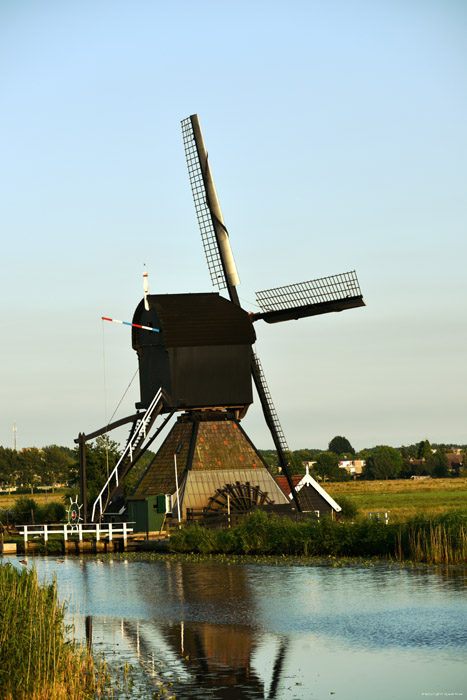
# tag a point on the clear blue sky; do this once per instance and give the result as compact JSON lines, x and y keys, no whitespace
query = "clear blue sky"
{"x":337,"y":138}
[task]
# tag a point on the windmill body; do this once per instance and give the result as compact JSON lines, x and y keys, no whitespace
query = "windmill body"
{"x":201,"y":358}
{"x":201,"y":364}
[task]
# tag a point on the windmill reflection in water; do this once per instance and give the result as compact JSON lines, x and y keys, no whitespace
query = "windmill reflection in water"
{"x":216,"y":655}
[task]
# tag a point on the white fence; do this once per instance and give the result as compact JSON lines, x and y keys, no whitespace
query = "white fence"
{"x":107,"y":530}
{"x":379,"y":515}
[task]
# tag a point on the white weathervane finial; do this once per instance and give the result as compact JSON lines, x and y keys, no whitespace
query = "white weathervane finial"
{"x":146,"y":288}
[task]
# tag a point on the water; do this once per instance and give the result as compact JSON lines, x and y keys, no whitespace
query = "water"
{"x":254,"y":631}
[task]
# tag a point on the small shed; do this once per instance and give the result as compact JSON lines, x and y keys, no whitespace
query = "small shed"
{"x":311,"y":495}
{"x":147,"y":512}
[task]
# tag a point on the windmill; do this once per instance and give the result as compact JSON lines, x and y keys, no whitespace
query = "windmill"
{"x":294,"y":301}
{"x":201,"y":362}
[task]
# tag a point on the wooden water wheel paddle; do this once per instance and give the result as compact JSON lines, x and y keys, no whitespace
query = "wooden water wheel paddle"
{"x":237,"y":497}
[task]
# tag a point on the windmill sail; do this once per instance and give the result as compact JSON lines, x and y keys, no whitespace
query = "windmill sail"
{"x":320,"y":296}
{"x":219,"y":256}
{"x":222,"y":266}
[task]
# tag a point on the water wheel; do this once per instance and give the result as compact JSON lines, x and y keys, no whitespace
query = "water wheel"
{"x":238,"y":497}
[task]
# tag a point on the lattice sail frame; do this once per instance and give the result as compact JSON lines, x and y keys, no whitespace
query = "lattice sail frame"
{"x":334,"y":288}
{"x":203,"y":212}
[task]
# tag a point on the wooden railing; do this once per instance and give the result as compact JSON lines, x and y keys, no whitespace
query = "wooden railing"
{"x":99,"y":530}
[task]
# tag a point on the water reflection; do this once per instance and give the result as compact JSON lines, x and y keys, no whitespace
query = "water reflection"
{"x":219,"y":651}
{"x":249,"y":631}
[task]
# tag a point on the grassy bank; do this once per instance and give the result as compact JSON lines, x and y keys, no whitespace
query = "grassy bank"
{"x":37,"y":659}
{"x":439,"y":540}
{"x":406,"y":499}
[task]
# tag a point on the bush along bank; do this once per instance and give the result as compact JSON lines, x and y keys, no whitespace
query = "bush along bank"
{"x":37,"y":659}
{"x":438,"y":541}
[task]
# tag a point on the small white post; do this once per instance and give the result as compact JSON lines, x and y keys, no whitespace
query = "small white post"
{"x":98,"y":532}
{"x":124,"y":534}
{"x":65,"y":533}
{"x":25,"y":533}
{"x":80,"y":532}
{"x":46,"y":534}
{"x":110,"y":532}
{"x":176,"y":485}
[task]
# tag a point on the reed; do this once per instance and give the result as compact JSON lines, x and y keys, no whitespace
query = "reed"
{"x":442,"y":540}
{"x":39,"y":659}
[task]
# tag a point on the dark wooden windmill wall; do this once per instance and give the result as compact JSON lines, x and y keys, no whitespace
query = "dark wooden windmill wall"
{"x":201,"y":357}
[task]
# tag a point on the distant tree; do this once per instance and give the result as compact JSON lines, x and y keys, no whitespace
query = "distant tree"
{"x":364,"y":454}
{"x":424,"y":450}
{"x":327,"y":468}
{"x":408,"y":451}
{"x":384,"y":463}
{"x":407,"y":468}
{"x":341,"y":446}
{"x":304,"y":455}
{"x":57,"y":465}
{"x":271,"y":459}
{"x":30,"y":467}
{"x":405,"y":452}
{"x":8,"y":466}
{"x":135,"y":474}
{"x":438,"y":465}
{"x":101,"y":458}
{"x":295,"y":462}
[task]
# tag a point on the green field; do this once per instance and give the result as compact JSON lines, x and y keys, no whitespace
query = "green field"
{"x":7,"y":501}
{"x":404,"y":498}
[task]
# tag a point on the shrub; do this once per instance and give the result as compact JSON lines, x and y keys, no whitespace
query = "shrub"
{"x":53,"y":512}
{"x":23,"y":510}
{"x":192,"y":539}
{"x":349,"y":508}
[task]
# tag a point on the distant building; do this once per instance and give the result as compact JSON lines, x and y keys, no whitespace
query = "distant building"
{"x":455,"y":460}
{"x":353,"y":466}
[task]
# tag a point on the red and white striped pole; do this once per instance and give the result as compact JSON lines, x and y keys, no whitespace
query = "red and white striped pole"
{"x":135,"y":325}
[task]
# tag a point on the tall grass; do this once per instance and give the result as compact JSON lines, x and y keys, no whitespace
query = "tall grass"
{"x":442,"y":540}
{"x":38,"y":661}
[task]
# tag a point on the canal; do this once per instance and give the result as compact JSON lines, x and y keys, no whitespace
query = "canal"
{"x":238,"y":631}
